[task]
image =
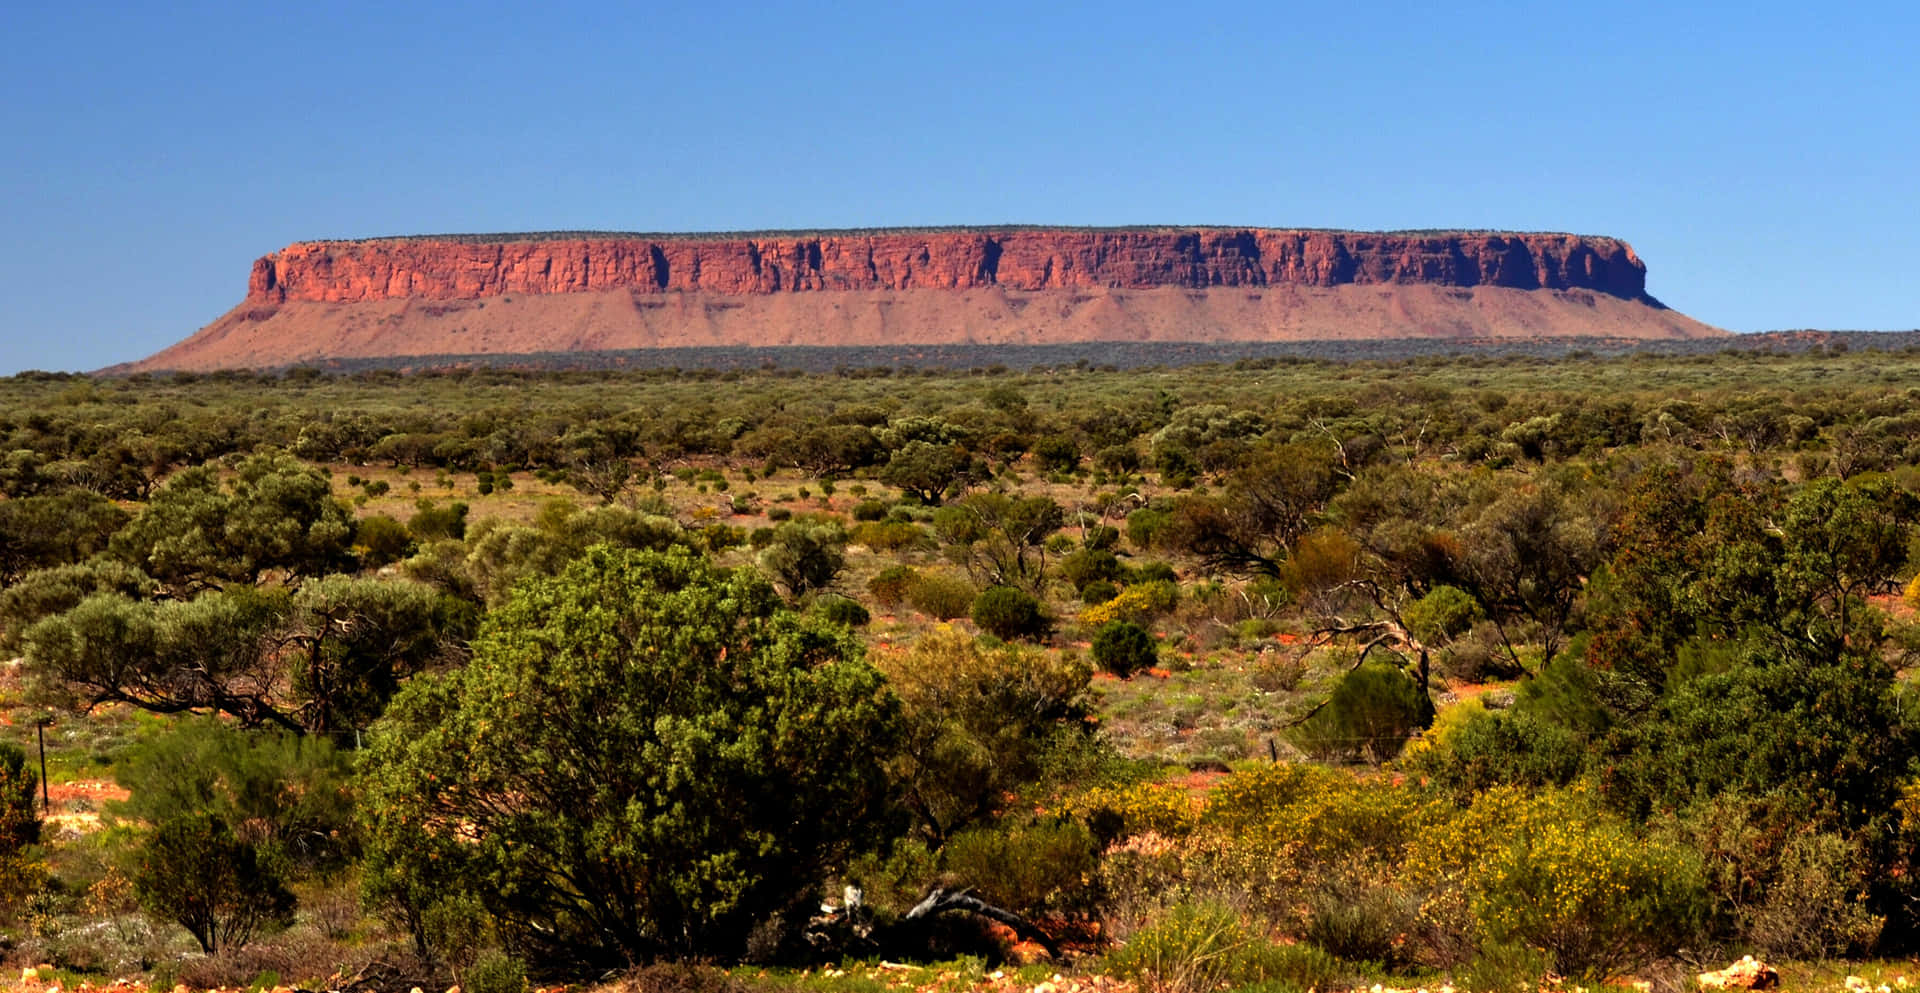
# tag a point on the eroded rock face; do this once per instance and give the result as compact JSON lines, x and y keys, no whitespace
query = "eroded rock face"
{"x":468,"y":268}
{"x":525,"y":294}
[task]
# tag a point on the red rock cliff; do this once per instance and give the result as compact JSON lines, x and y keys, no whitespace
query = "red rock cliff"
{"x":469,"y":268}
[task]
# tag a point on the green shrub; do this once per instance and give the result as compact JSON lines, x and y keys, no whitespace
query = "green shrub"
{"x":1500,"y":749}
{"x":195,"y":872}
{"x":665,"y":729}
{"x":870,"y":510}
{"x":1363,"y":921}
{"x":1155,"y":572}
{"x":382,"y":539}
{"x":1010,"y":614}
{"x":1445,"y":613}
{"x":804,"y":557}
{"x":1590,"y":892}
{"x":889,"y":588}
{"x":431,"y":521}
{"x":1148,"y":528}
{"x":1097,"y":592}
{"x":1124,"y":648}
{"x":1505,"y":965}
{"x":940,"y":595}
{"x":1089,"y":565}
{"x":495,"y":972}
{"x":779,"y":514}
{"x":289,"y":792}
{"x":1056,"y":453}
{"x":891,"y":536}
{"x":842,"y":611}
{"x":19,"y":804}
{"x":1370,"y":716}
{"x":1204,"y":947}
{"x":1041,"y":867}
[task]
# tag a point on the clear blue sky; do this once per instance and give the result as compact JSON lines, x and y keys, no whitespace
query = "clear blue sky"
{"x":1763,"y":158}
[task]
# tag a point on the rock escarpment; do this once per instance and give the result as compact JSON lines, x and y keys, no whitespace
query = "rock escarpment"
{"x":1028,"y":260}
{"x":558,"y":292}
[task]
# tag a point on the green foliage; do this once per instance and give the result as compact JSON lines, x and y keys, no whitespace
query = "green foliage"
{"x":891,"y":536}
{"x":195,"y":872}
{"x":1031,"y":868}
{"x":1826,"y":736}
{"x":19,"y":803}
{"x":925,"y":470}
{"x":1202,"y":947}
{"x":940,"y":595}
{"x":602,"y":816}
{"x":273,"y":513}
{"x":1124,"y":648}
{"x":1500,"y":749}
{"x":286,"y":795}
{"x":803,"y":557}
{"x":495,"y":972}
{"x":1370,"y":716}
{"x":1592,"y":894}
{"x":1445,"y":613}
{"x":56,"y":529}
{"x":211,"y":653}
{"x":1010,"y":614}
{"x":1000,"y":539}
{"x":382,"y":540}
{"x":889,"y":587}
{"x":431,"y":521}
{"x":46,"y":592}
{"x":1090,"y":565}
{"x":981,"y":723}
{"x":1056,"y":453}
{"x":842,"y":611}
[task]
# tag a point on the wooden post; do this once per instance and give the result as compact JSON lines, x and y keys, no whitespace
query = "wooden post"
{"x":40,"y":732}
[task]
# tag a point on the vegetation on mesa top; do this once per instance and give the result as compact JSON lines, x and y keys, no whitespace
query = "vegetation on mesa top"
{"x":945,"y":229}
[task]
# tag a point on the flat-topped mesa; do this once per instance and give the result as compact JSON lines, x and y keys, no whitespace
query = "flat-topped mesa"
{"x":470,"y":267}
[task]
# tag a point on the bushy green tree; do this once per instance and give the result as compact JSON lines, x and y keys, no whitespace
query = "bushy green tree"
{"x":41,"y":532}
{"x":19,"y":816}
{"x":979,"y":722}
{"x":1370,"y":716}
{"x":288,"y":796}
{"x":46,"y":592}
{"x":646,"y":756}
{"x":1124,"y":648}
{"x":925,"y":470}
{"x":274,"y":513}
{"x":1010,"y":614}
{"x":804,"y":556}
{"x":195,"y":872}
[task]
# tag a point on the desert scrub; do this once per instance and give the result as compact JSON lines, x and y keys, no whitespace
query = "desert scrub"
{"x":1552,"y":871}
{"x":1202,"y":947}
{"x":1123,"y":812}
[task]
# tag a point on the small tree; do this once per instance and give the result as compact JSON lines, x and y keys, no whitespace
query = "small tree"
{"x":1010,"y":614}
{"x":1124,"y":648}
{"x":804,"y":557}
{"x":19,"y":823}
{"x":195,"y":872}
{"x":647,"y":756}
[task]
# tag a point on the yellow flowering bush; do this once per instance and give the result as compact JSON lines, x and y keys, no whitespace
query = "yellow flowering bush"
{"x":1588,"y":890}
{"x":1122,"y":812}
{"x":1138,"y":603}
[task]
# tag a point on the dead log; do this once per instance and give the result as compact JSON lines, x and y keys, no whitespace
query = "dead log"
{"x":941,"y":900}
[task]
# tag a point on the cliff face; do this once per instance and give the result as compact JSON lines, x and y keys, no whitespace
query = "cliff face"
{"x":1016,"y":259}
{"x":513,"y":295}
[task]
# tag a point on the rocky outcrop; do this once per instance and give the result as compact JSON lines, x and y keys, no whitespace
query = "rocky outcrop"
{"x":520,"y":294}
{"x":1022,"y":259}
